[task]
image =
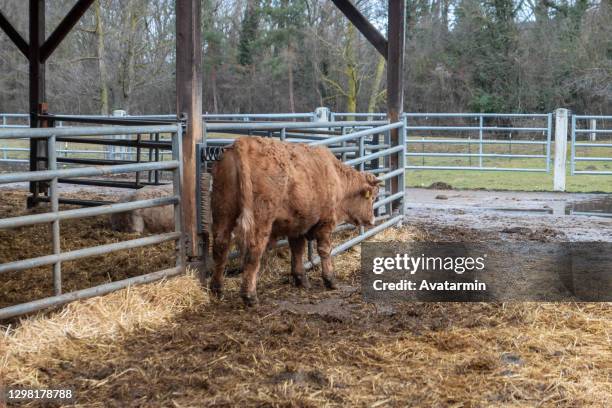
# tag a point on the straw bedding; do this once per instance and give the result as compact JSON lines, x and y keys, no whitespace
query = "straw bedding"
{"x":170,"y":344}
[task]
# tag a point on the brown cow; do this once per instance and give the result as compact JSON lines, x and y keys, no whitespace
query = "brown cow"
{"x":268,"y":189}
{"x":152,"y":219}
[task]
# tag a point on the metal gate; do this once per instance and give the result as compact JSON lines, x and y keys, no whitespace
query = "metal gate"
{"x":481,"y":137}
{"x":587,"y":145}
{"x":55,"y":215}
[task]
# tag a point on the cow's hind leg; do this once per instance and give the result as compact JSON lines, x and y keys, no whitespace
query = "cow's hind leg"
{"x":297,"y":265}
{"x":222,"y":233}
{"x":252,"y":262}
{"x":324,"y":248}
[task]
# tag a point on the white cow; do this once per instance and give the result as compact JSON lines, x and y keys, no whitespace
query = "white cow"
{"x":153,"y":219}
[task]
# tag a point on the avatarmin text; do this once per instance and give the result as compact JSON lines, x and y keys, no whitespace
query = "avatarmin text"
{"x":425,"y":285}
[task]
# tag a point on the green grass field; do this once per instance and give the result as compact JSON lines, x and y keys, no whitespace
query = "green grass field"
{"x":505,"y":180}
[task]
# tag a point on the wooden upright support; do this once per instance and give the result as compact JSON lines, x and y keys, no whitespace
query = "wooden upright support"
{"x":38,"y":148}
{"x":395,"y":75}
{"x":189,"y":105}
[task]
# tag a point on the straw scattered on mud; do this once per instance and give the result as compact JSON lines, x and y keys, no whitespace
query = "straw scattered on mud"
{"x":169,"y":344}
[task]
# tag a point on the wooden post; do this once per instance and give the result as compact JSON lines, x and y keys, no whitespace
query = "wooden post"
{"x":37,"y":90}
{"x":189,"y":105}
{"x":395,"y":75}
{"x":561,"y":117}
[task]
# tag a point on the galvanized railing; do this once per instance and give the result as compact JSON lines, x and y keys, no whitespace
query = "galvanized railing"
{"x":56,"y":215}
{"x":478,"y":135}
{"x":368,"y":149}
{"x":590,"y":127}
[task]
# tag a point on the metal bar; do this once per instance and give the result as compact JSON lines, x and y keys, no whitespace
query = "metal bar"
{"x":93,"y":161}
{"x":99,"y":290}
{"x":598,"y":117}
{"x":54,"y":197}
{"x":466,"y":141}
{"x":391,"y":198}
{"x":593,"y":159}
{"x":380,"y":153}
{"x":63,"y":28}
{"x":57,"y":216}
{"x":573,"y":147}
{"x":484,"y":128}
{"x":363,"y":25}
{"x":110,"y":120}
{"x":594,"y":130}
{"x":402,"y":168}
{"x":549,"y":119}
{"x":85,"y":171}
{"x":258,"y":115}
{"x":352,"y":242}
{"x":473,"y":115}
{"x":356,"y":135}
{"x":475,"y":168}
{"x":480,"y":134}
{"x":87,"y":252}
{"x":525,"y":156}
{"x":14,"y":35}
{"x":580,"y":144}
{"x":177,"y":155}
{"x":84,"y":131}
{"x":213,"y":127}
{"x":592,"y":172}
{"x":105,"y":183}
{"x":71,"y":201}
{"x":118,"y":142}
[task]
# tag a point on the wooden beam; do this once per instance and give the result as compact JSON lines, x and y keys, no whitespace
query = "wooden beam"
{"x":63,"y":28}
{"x":363,"y":25}
{"x":395,"y":75}
{"x":14,"y":35}
{"x":37,"y":92}
{"x":189,"y":105}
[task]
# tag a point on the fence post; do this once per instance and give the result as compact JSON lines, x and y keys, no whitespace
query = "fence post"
{"x":322,"y":114}
{"x":111,"y":150}
{"x":561,"y":122}
{"x":480,"y":135}
{"x":593,"y":126}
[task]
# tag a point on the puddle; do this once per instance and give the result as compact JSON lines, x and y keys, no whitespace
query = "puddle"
{"x":600,"y":207}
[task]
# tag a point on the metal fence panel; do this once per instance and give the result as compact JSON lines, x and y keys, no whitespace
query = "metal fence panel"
{"x":590,"y":128}
{"x":468,"y":135}
{"x":53,"y":174}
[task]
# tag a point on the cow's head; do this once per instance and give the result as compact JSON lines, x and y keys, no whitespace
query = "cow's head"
{"x":358,"y":204}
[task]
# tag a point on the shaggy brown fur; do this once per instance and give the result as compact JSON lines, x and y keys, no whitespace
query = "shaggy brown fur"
{"x":268,"y":189}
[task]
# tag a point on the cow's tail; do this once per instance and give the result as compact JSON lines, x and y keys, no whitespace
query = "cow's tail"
{"x":245,"y":196}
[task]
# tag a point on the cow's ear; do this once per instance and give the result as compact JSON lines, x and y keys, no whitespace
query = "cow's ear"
{"x":371,"y":179}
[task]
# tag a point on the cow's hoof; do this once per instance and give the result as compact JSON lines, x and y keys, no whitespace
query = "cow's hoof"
{"x":301,"y":281}
{"x":330,"y":283}
{"x":250,"y":299}
{"x":217,"y":289}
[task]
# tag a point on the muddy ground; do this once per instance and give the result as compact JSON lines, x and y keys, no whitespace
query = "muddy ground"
{"x":329,"y":348}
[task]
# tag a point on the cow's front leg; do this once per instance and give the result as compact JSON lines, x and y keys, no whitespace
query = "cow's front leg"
{"x":297,"y":265}
{"x":324,"y":248}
